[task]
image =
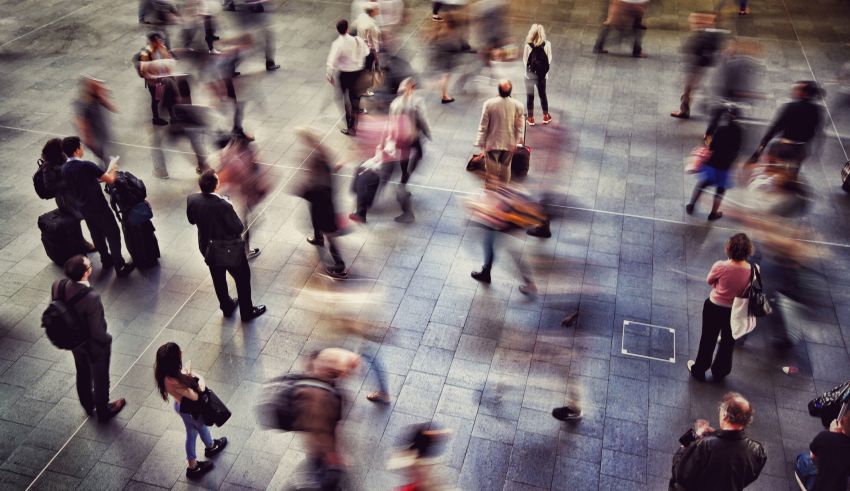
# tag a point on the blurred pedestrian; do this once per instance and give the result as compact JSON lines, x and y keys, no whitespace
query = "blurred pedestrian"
{"x":186,"y":120}
{"x":92,"y":119}
{"x":724,"y":145}
{"x":419,"y":458}
{"x":622,"y":15}
{"x":240,"y":172}
{"x":346,"y":60}
{"x":317,"y":189}
{"x":220,"y":241}
{"x":700,"y":50}
{"x":197,"y":15}
{"x":154,"y":69}
{"x":446,"y":46}
{"x":728,"y":279}
{"x":566,"y":413}
{"x":177,"y":381}
{"x":255,"y":20}
{"x":366,"y":28}
{"x":91,"y":359}
{"x":537,"y":58}
{"x":500,"y":131}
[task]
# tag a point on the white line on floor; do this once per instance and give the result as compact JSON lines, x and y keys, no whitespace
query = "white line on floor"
{"x":43,"y":26}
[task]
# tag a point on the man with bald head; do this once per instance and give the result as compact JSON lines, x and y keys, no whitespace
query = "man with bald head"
{"x":720,"y":460}
{"x":500,"y":131}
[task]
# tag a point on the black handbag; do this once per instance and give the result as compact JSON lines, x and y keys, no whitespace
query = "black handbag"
{"x":228,"y":253}
{"x":828,"y":405}
{"x":476,"y":162}
{"x":758,"y":305}
{"x":213,"y":411}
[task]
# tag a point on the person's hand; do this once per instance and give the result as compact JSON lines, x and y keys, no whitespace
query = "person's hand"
{"x":835,"y":427}
{"x":113,"y":161}
{"x":330,"y":79}
{"x":702,"y":426}
{"x":338,"y":167}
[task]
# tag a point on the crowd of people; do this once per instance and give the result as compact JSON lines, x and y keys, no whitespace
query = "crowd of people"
{"x":363,"y":62}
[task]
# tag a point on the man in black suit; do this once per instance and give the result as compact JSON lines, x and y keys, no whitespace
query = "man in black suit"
{"x":217,"y":220}
{"x":82,"y":179}
{"x":92,"y":357}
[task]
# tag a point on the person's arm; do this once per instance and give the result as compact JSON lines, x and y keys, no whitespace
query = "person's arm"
{"x":519,"y":124}
{"x":422,"y":119}
{"x":526,"y":51}
{"x":109,"y":176}
{"x":232,"y":223}
{"x":760,"y":458}
{"x":189,"y":214}
{"x":714,"y":274}
{"x":547,"y":48}
{"x":777,"y":126}
{"x":333,"y":55}
{"x":482,"y":128}
{"x":96,"y":320}
{"x":692,"y":462}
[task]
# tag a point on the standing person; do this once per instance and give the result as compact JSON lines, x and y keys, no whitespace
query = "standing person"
{"x":197,"y":14}
{"x":724,"y":145}
{"x":154,"y":51}
{"x":317,"y":189}
{"x":500,"y":131}
{"x":728,"y":279}
{"x":407,"y":125}
{"x":217,"y":221}
{"x":796,"y":124}
{"x":346,"y":60}
{"x":92,"y":119}
{"x":172,"y":379}
{"x":92,"y":357}
{"x":700,"y":50}
{"x":624,"y":14}
{"x":54,"y":159}
{"x":240,"y":171}
{"x":83,"y":179}
{"x":826,"y":467}
{"x":720,"y":460}
{"x":366,"y":28}
{"x":537,"y":58}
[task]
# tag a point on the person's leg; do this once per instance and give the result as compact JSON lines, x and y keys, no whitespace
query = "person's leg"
{"x":346,"y":87}
{"x":98,"y":237}
{"x":696,"y":194}
{"x":113,"y":236}
{"x":84,"y":381}
{"x":225,"y":303}
{"x":708,"y":338}
{"x":718,"y":198}
{"x":541,"y":90}
{"x":314,"y":221}
{"x":242,"y":277}
{"x":196,"y":139}
{"x":505,"y":158}
{"x":100,"y":378}
{"x":268,"y":34}
{"x":143,"y":10}
{"x":599,"y":46}
{"x":204,"y":432}
{"x":691,"y":81}
{"x":339,"y":264}
{"x":637,"y":29}
{"x":354,"y":97}
{"x":209,"y":31}
{"x":529,"y":96}
{"x":806,"y":469}
{"x":154,"y":101}
{"x":722,"y":364}
{"x":435,"y":10}
{"x":489,"y":248}
{"x":191,"y":436}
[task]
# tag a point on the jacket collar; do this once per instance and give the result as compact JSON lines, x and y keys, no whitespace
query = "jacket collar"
{"x":731,"y":434}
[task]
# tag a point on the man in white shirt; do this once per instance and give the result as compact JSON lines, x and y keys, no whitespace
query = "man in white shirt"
{"x":347,"y":57}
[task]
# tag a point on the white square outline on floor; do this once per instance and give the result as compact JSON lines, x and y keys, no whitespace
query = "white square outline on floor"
{"x":624,"y":351}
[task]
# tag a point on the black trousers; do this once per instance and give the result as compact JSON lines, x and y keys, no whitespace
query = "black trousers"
{"x":93,"y":381}
{"x":530,"y":82}
{"x":715,"y":320}
{"x":348,"y":82}
{"x":104,"y":230}
{"x":242,"y":277}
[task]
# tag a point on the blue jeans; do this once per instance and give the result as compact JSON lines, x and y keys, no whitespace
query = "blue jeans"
{"x":194,"y":427}
{"x":807,"y":470}
{"x":378,"y":370}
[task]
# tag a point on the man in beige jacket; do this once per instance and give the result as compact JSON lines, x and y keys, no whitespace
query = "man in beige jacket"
{"x":500,"y":131}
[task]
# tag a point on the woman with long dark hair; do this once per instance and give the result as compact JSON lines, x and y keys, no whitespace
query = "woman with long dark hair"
{"x":181,"y":384}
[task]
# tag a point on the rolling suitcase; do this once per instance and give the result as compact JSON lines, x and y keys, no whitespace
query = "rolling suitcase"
{"x":141,"y":243}
{"x":61,"y":235}
{"x":521,"y":158}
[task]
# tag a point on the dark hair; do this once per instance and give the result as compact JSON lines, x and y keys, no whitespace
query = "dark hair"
{"x":70,"y":144}
{"x":505,"y":92}
{"x":52,"y":153}
{"x":154,"y":36}
{"x":809,"y":89}
{"x":169,"y":363}
{"x":208,"y":181}
{"x":738,"y":410}
{"x":739,"y":247}
{"x":342,"y":26}
{"x":75,"y":267}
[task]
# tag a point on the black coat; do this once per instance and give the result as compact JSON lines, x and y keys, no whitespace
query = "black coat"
{"x":721,"y":461}
{"x":215,"y":217}
{"x":89,"y":309}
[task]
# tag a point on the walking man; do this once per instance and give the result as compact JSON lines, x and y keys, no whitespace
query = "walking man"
{"x":500,"y":131}
{"x":700,"y":50}
{"x":92,"y":357}
{"x":347,"y":59}
{"x":217,"y":221}
{"x":83,"y":178}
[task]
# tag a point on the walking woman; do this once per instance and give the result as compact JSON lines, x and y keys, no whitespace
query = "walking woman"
{"x":728,"y":279}
{"x":537,"y":57}
{"x":181,"y":384}
{"x":724,"y":142}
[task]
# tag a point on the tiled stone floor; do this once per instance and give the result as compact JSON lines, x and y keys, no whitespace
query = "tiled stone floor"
{"x":486,"y":362}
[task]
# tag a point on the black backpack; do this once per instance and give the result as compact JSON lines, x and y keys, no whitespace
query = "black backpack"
{"x":277,"y":409}
{"x":126,"y":192}
{"x":538,"y":62}
{"x":60,"y":321}
{"x":45,"y":180}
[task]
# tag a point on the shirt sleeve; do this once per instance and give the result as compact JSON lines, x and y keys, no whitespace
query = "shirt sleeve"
{"x":519,"y":122}
{"x":714,"y":273}
{"x":91,"y":169}
{"x":333,"y":54}
{"x":548,"y":50}
{"x":482,"y":127}
{"x":526,"y":51}
{"x":777,"y":126}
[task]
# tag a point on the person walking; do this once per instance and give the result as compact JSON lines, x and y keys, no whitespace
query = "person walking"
{"x":218,"y":222}
{"x":346,"y":60}
{"x":537,"y":58}
{"x":240,"y":172}
{"x":172,"y":379}
{"x":154,"y":51}
{"x":92,"y":118}
{"x":622,"y":15}
{"x":728,"y":279}
{"x":720,"y":460}
{"x":724,"y":145}
{"x":700,"y":51}
{"x":500,"y":131}
{"x":91,"y":359}
{"x":83,"y":179}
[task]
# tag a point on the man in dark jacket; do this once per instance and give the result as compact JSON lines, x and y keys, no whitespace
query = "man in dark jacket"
{"x":217,"y":220}
{"x":722,"y":460}
{"x":700,"y":50}
{"x":797,"y":124}
{"x":92,"y":357}
{"x":827,"y":466}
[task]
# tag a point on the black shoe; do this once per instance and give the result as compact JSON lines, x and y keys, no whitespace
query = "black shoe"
{"x":257,"y":311}
{"x":124,"y":270}
{"x":689,"y":208}
{"x":201,"y":468}
{"x":406,"y":217}
{"x":215,"y":38}
{"x":316,"y":241}
{"x":218,"y":446}
{"x":566,"y":413}
{"x":356,"y":217}
{"x":229,"y":312}
{"x":112,"y":410}
{"x":159,"y":121}
{"x":483,"y":276}
{"x":253,"y":253}
{"x":715,"y":216}
{"x":236,"y":74}
{"x":271,"y":65}
{"x":348,"y":131}
{"x":336,"y":272}
{"x":544,"y":232}
{"x":698,"y":376}
{"x":106,"y":263}
{"x":681,"y":114}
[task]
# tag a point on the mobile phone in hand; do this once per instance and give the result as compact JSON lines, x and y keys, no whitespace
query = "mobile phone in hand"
{"x":689,"y":437}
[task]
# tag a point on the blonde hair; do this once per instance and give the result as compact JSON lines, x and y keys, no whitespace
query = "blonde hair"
{"x":536,"y":35}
